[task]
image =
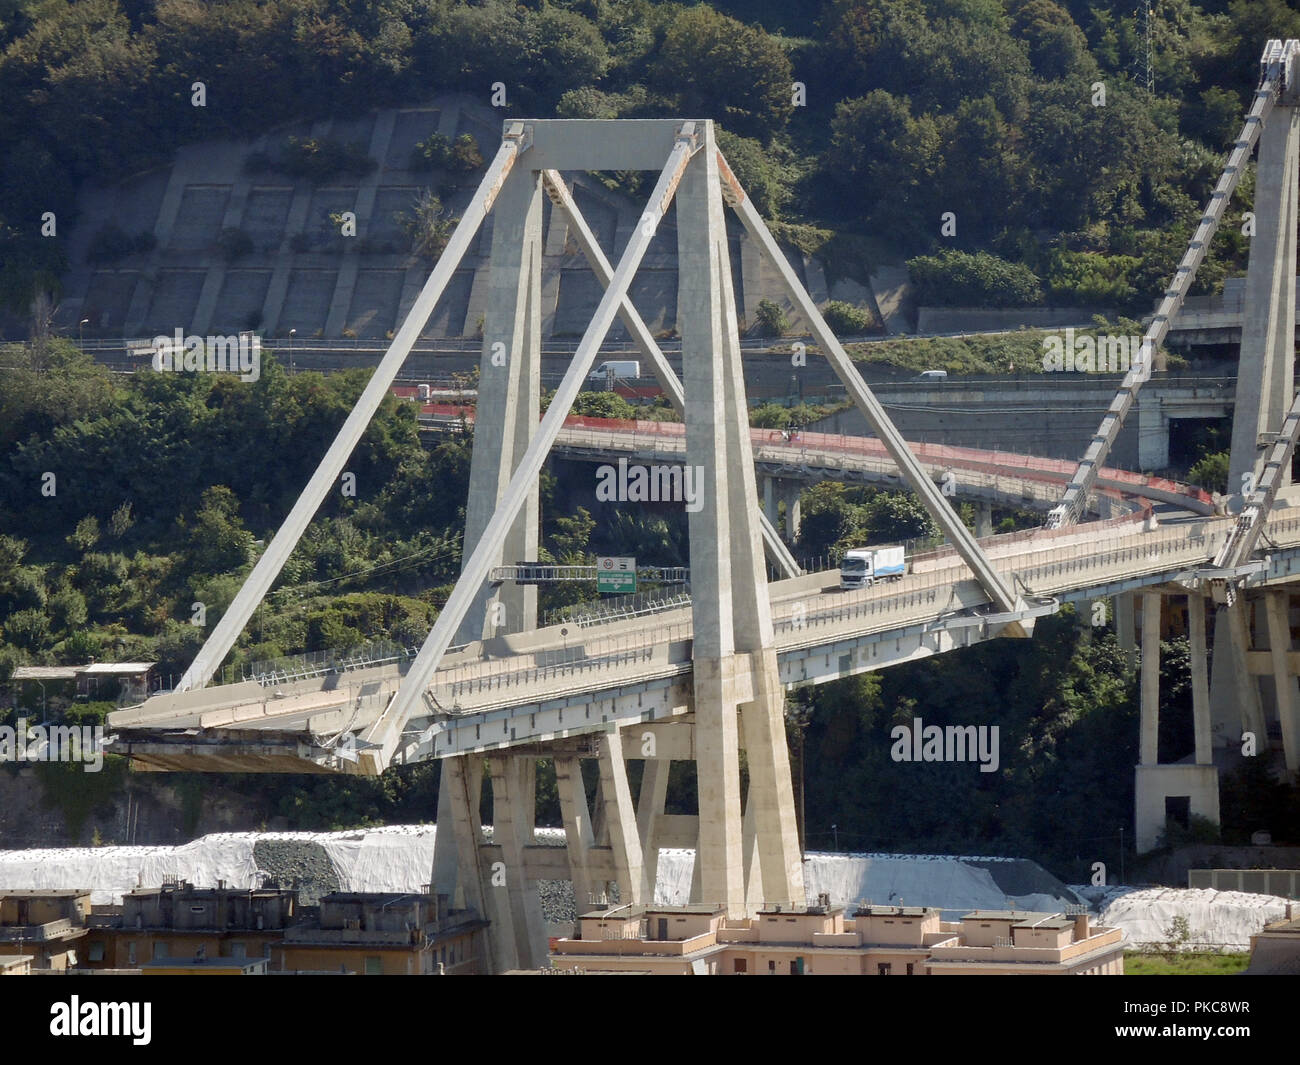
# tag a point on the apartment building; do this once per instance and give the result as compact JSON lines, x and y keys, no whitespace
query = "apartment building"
{"x":384,"y":934}
{"x":179,"y":921}
{"x":48,"y":927}
{"x":1010,"y":942}
{"x":180,"y":929}
{"x":825,"y":940}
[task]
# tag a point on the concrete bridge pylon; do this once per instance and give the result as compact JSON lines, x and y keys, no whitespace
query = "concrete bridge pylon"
{"x":747,"y":846}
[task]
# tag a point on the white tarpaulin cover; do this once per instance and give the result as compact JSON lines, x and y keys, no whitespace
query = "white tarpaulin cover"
{"x":400,"y":858}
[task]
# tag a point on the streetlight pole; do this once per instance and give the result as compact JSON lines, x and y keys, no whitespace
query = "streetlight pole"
{"x":81,"y":332}
{"x":292,"y":333}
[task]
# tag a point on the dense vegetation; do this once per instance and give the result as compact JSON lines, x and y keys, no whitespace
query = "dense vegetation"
{"x":964,"y":137}
{"x":904,"y":112}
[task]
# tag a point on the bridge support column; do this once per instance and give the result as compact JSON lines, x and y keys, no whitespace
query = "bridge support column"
{"x":462,"y":777}
{"x":1249,"y":709}
{"x":770,"y":797}
{"x":791,"y":491}
{"x":620,"y":819}
{"x":509,"y":402}
{"x":733,"y":634}
{"x":1278,"y":608}
{"x":983,"y":519}
{"x":1153,"y":433}
{"x":1156,"y":784}
{"x":577,"y":829}
{"x":649,"y":811}
{"x":1149,"y":734}
{"x":1267,"y":362}
{"x":719,"y":855}
{"x":517,"y":909}
{"x":1234,"y":693}
{"x":1200,"y":678}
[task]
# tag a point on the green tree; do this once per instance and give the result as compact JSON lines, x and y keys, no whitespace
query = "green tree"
{"x":712,"y":64}
{"x":769,"y":319}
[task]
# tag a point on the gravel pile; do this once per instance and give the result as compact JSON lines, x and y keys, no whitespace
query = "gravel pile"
{"x":289,"y":862}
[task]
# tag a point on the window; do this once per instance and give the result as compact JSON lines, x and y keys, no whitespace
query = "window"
{"x":160,"y":951}
{"x":130,"y":954}
{"x":911,"y":969}
{"x":95,"y":952}
{"x":741,"y":965}
{"x":237,"y":951}
{"x":883,"y":968}
{"x":771,"y":968}
{"x":375,"y":966}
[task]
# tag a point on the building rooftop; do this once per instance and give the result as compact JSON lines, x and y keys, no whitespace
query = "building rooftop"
{"x":43,"y":893}
{"x":800,"y":911}
{"x":1018,"y":916}
{"x":624,"y":913}
{"x":869,"y":910}
{"x":45,"y":672}
{"x":115,"y":668}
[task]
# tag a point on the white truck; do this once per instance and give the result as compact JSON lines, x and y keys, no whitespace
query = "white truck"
{"x":863,"y":566}
{"x":626,"y":369}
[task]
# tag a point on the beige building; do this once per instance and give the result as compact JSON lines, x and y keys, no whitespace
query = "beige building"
{"x":824,"y":940}
{"x":182,"y":922}
{"x":46,"y":926}
{"x":15,"y":965}
{"x":377,"y":934}
{"x":1275,"y":950}
{"x":1018,"y":942}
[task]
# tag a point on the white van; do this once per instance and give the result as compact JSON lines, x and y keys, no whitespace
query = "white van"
{"x":626,"y":370}
{"x":933,"y":375}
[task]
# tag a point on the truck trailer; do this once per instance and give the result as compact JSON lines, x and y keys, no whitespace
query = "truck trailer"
{"x":863,"y":566}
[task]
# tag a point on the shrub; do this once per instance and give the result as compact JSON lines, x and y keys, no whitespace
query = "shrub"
{"x":769,"y":319}
{"x":959,"y":279}
{"x":846,"y":319}
{"x":318,"y":159}
{"x":1211,"y":472}
{"x":437,"y":152}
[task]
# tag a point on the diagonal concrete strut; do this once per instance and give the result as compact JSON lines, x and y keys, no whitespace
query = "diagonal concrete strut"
{"x":1075,"y":496}
{"x":385,"y":733}
{"x":268,"y":567}
{"x":778,"y":554}
{"x":962,"y":539}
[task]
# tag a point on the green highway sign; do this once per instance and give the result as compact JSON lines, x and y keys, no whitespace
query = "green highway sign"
{"x":615,"y":575}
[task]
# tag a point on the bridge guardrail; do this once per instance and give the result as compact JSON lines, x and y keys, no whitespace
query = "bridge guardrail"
{"x":1164,"y":547}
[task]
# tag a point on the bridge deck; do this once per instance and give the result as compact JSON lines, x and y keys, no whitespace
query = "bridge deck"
{"x":492,"y":693}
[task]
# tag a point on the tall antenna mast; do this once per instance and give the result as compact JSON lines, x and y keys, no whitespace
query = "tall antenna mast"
{"x":1143,"y":62}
